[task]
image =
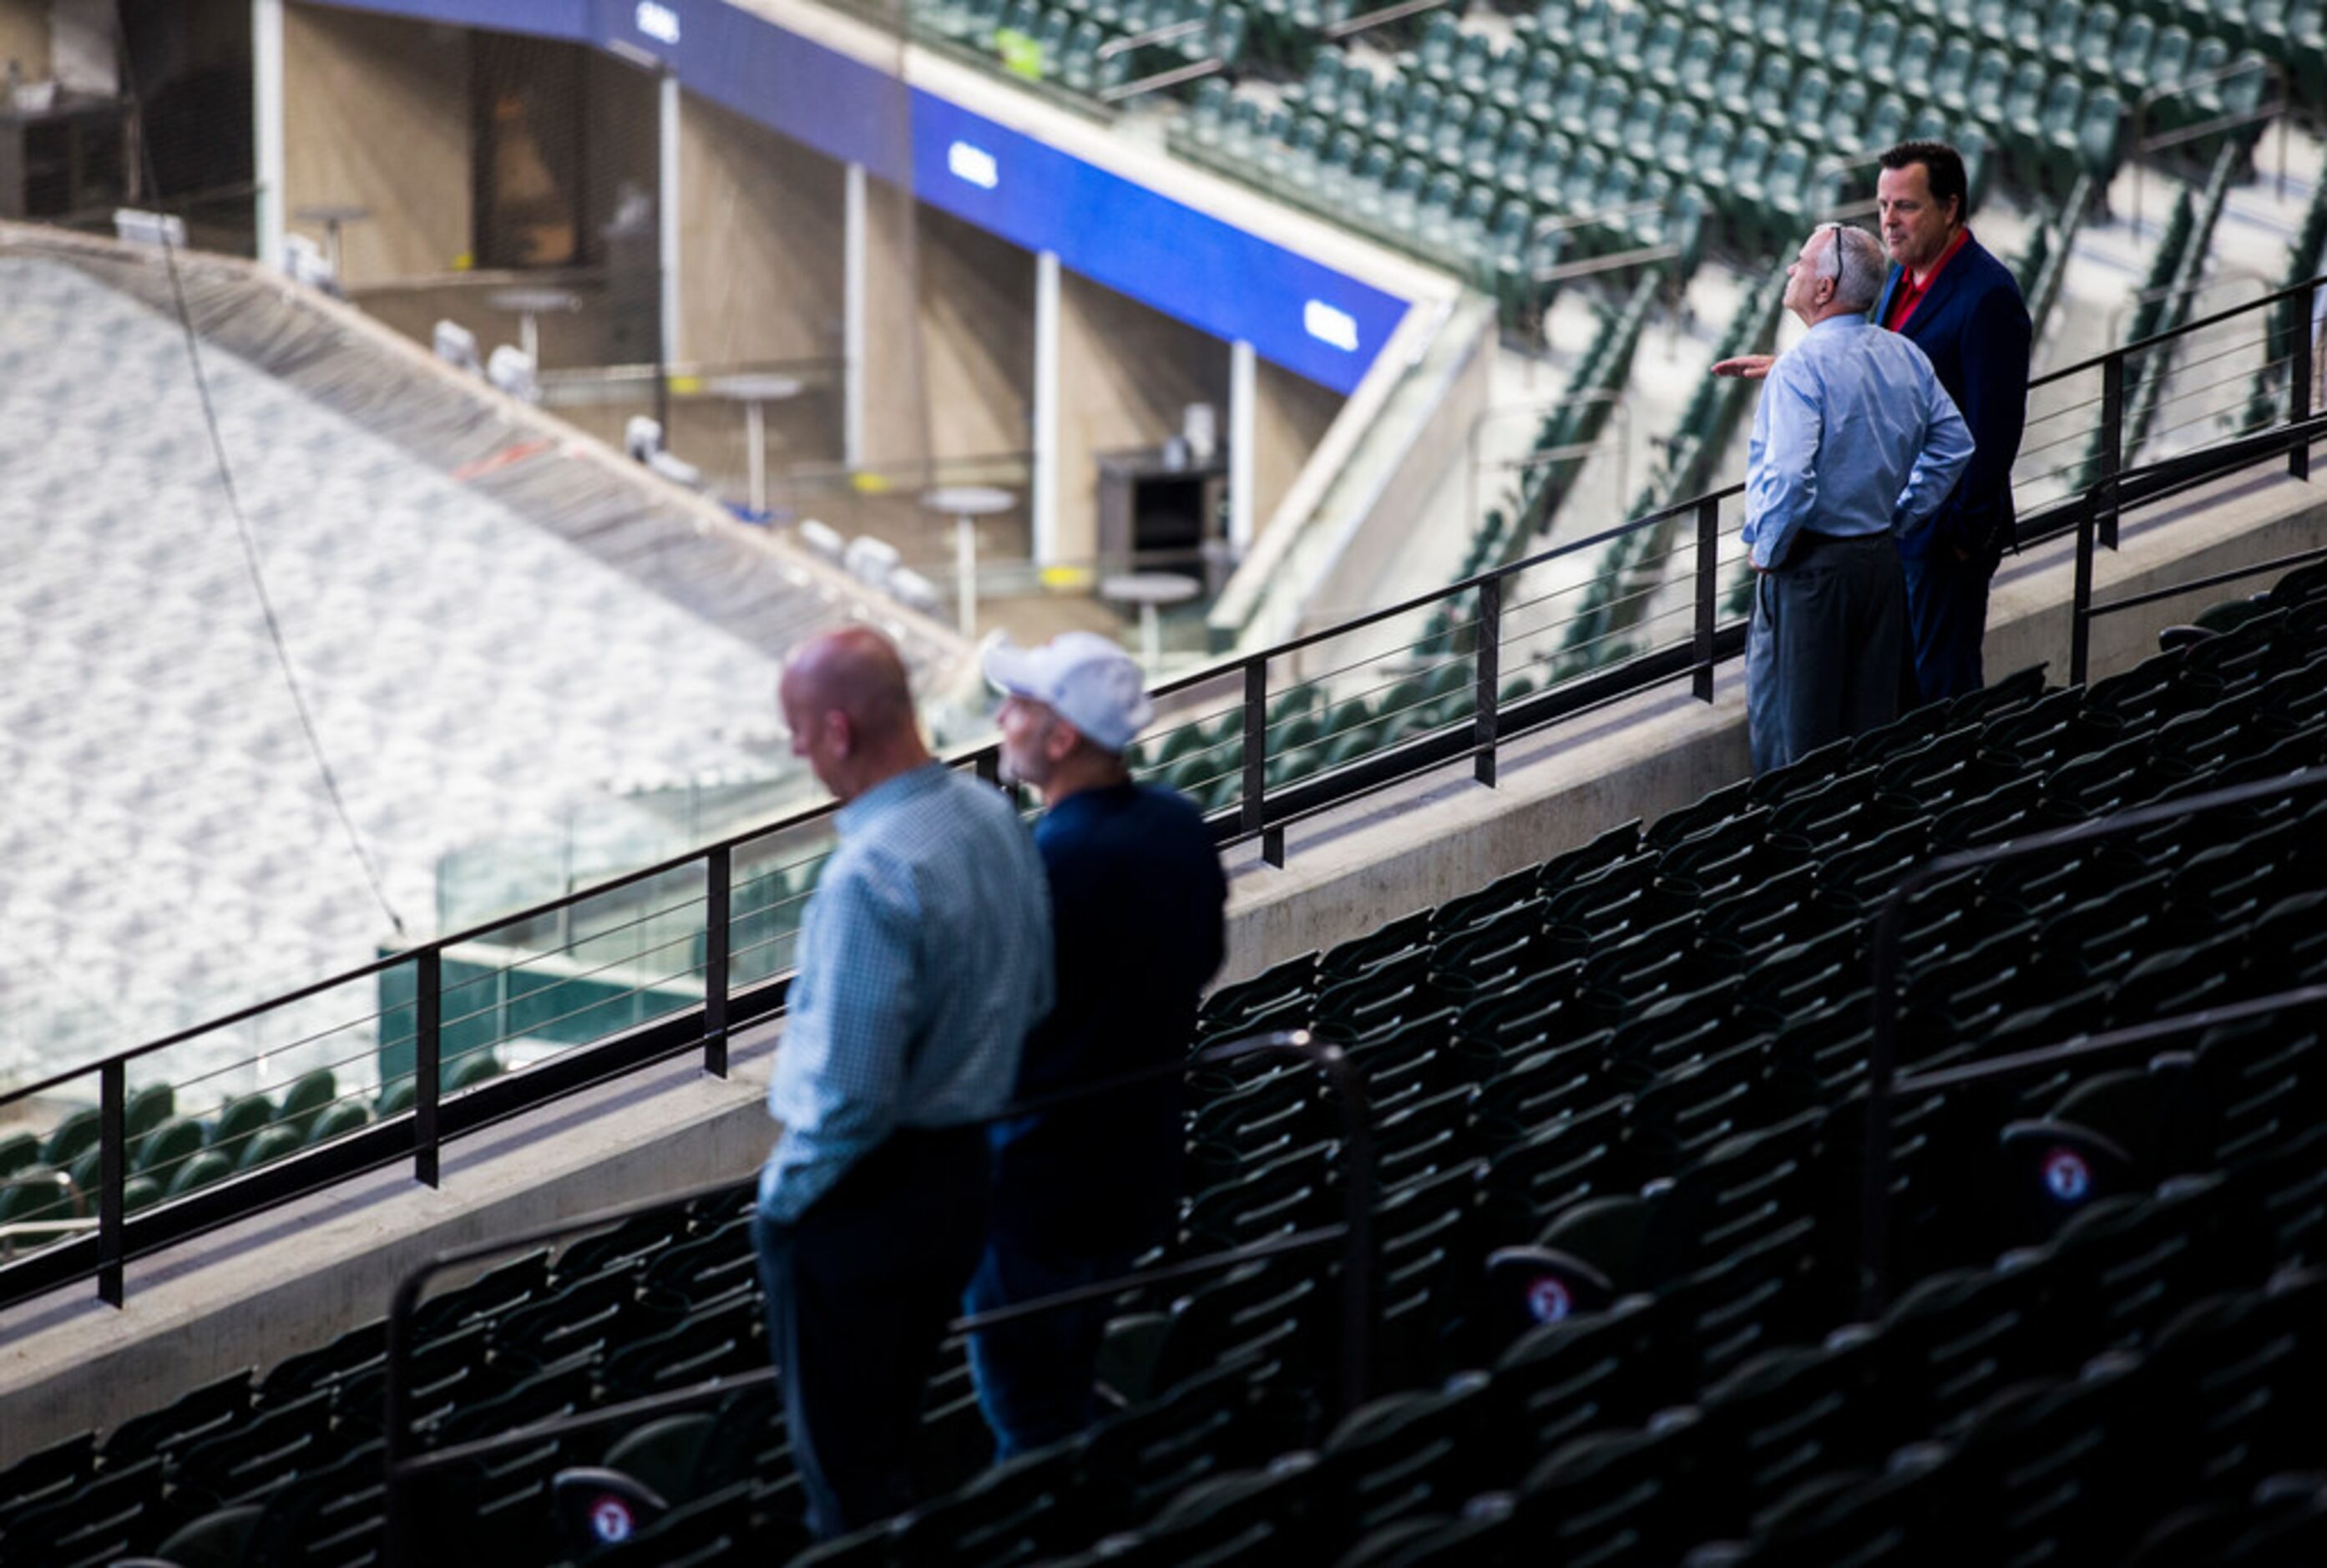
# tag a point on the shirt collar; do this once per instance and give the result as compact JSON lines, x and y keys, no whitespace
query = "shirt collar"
{"x":890,"y":793}
{"x":1841,"y":324}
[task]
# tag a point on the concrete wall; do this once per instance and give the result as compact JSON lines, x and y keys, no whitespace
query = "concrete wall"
{"x":1377,"y":527}
{"x":976,"y":336}
{"x":1290,"y":414}
{"x":24,"y":38}
{"x":376,"y":115}
{"x":1125,"y":373}
{"x":762,"y":237}
{"x":254,"y":1293}
{"x":896,"y":392}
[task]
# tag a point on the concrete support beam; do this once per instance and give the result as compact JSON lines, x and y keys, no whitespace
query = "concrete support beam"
{"x":267,"y":128}
{"x":668,"y":133}
{"x":1244,"y":454}
{"x":1045,"y":432}
{"x":852,"y":317}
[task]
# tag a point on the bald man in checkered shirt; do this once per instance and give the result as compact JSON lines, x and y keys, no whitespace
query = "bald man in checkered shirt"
{"x":924,"y":958}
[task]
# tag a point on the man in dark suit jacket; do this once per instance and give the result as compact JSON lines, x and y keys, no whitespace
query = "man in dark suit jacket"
{"x":1962,"y":307}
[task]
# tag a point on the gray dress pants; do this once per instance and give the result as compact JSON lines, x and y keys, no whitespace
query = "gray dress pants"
{"x":1824,"y":650}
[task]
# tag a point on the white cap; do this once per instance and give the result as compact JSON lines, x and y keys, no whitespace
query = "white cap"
{"x":1085,"y":678}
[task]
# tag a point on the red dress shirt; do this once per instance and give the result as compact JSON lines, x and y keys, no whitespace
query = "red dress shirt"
{"x":1909,"y":294}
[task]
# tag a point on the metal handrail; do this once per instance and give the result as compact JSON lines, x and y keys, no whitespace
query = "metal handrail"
{"x":1261,"y":813}
{"x":1351,"y":26}
{"x":1354,"y":1231}
{"x":1546,"y":406}
{"x":2113,"y":496}
{"x":2125,"y":350}
{"x":1884,"y":1079}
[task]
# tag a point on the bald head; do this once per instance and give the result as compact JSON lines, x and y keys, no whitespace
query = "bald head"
{"x":849,"y":706}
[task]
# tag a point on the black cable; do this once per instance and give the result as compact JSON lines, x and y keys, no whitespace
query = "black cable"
{"x":226,"y":475}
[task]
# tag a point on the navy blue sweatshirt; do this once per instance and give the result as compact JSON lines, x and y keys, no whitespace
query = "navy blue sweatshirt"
{"x":1137,"y":901}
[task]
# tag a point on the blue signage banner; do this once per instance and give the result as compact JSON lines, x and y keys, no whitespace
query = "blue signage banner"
{"x":1221,"y":279}
{"x":1295,"y":312}
{"x":567,"y":19}
{"x":841,"y":106}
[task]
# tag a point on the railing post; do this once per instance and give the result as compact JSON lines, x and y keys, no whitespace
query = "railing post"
{"x":2298,"y":458}
{"x":113,"y":1163}
{"x":718,"y":872}
{"x":1255,"y":761}
{"x":1708,"y":554}
{"x":1489,"y":679}
{"x":427,"y":1045}
{"x":2112,"y":436}
{"x":2080,"y":602}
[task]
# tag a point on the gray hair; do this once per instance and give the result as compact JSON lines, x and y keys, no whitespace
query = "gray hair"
{"x":1859,"y":268}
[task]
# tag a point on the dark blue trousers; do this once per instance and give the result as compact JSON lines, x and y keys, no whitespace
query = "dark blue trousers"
{"x":1946,"y":617}
{"x":859,"y":1290}
{"x":1036,"y":1377}
{"x":1826,"y":646}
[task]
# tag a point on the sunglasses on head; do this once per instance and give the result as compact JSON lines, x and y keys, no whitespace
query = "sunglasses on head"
{"x":1834,"y":250}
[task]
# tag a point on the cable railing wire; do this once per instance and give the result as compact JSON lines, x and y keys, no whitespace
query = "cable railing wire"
{"x":232,"y":491}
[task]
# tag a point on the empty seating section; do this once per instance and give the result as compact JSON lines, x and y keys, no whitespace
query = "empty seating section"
{"x":2027,"y":74}
{"x":1649,"y":120}
{"x":2288,"y":320}
{"x":170,"y":1156}
{"x":487,"y":688}
{"x":1618,"y":1105}
{"x":1089,"y":46}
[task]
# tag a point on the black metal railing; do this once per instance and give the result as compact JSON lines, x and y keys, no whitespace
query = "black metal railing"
{"x":401,"y":1464}
{"x":2163,"y":480}
{"x":1260,"y":810}
{"x":1885,"y":1084}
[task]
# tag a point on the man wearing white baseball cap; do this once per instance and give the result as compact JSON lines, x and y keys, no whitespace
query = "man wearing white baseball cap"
{"x":1138,"y":897}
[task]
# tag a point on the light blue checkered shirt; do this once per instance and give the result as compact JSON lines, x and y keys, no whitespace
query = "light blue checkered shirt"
{"x":1854,"y":435}
{"x":924,"y":958}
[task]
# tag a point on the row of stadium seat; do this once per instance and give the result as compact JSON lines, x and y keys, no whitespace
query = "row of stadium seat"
{"x":171,"y":1155}
{"x":1069,"y":34}
{"x":1466,"y":146}
{"x":1683,"y":1007}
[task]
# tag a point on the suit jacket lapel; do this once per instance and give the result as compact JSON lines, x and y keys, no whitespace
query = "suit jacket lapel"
{"x":1889,"y":288}
{"x":1928,"y":309}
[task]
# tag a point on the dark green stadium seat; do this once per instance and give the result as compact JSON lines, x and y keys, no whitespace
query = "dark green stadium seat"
{"x":471,"y":1068}
{"x":1660,"y":53}
{"x":17,"y":1151}
{"x":78,"y":1131}
{"x":239,"y":1120}
{"x":98,"y":1523}
{"x":2063,"y":35}
{"x":1991,"y":80}
{"x":2095,"y":45}
{"x":270,"y":1143}
{"x":309,"y":1094}
{"x":2128,"y":59}
{"x":169,"y":1144}
{"x":1878,"y":49}
{"x":198,"y":1171}
{"x":32,"y":1192}
{"x":148,"y":1109}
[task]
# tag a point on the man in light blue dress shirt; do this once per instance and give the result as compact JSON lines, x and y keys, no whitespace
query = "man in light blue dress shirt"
{"x":1855,"y":441}
{"x":924,"y":958}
